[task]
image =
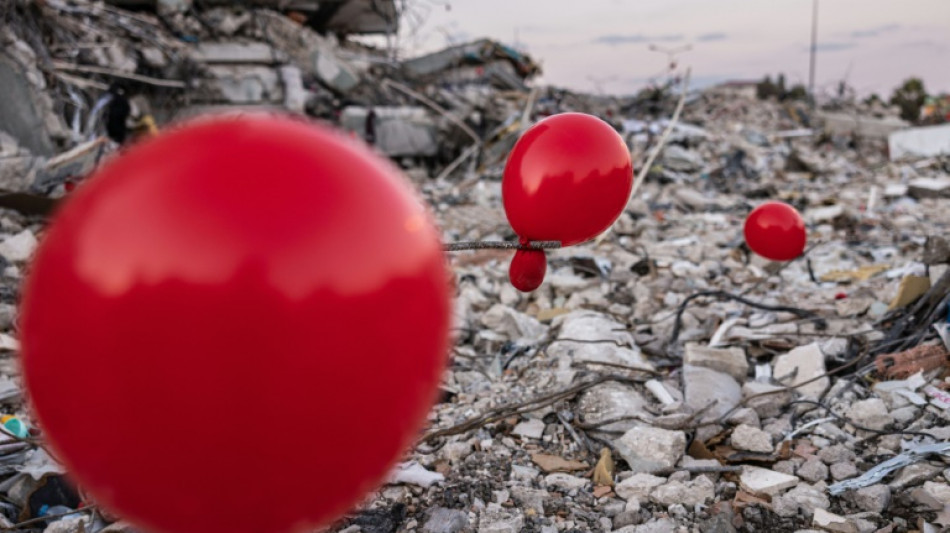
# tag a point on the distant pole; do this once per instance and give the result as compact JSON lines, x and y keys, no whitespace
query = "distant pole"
{"x":814,"y":48}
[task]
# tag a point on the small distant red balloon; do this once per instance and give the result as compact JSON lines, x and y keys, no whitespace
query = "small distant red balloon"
{"x":567,"y":179}
{"x":236,"y":327}
{"x":527,"y":269}
{"x":775,"y":231}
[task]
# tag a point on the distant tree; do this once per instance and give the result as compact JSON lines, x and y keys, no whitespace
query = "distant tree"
{"x":780,"y":86}
{"x":765,"y":89}
{"x":910,"y":97}
{"x":873,"y":99}
{"x":797,"y":92}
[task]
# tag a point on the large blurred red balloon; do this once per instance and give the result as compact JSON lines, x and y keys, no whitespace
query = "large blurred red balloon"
{"x":567,"y":179}
{"x":527,"y":269}
{"x":775,"y":231}
{"x":236,"y":327}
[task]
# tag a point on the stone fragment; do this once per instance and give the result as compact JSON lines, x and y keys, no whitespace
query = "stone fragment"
{"x":765,"y":405}
{"x":813,"y":470}
{"x":494,"y":519}
{"x":871,"y":413}
{"x":745,"y":415}
{"x":731,"y":361}
{"x":18,"y":247}
{"x":837,"y":453}
{"x":762,"y":481}
{"x":873,"y":499}
{"x":528,"y":498}
{"x":442,"y":520}
{"x":843,"y":470}
{"x":531,"y":428}
{"x":704,"y":386}
{"x":638,"y":486}
{"x":803,"y":498}
{"x":566,"y":482}
{"x":610,"y":401}
{"x":832,"y":522}
{"x":932,"y":495}
{"x":650,"y":449}
{"x":806,"y":362}
{"x":745,"y":437}
{"x":590,"y":326}
{"x":691,"y":493}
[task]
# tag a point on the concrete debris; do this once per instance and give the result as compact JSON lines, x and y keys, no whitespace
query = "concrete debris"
{"x":415,"y":474}
{"x":833,"y":522}
{"x":764,"y":481}
{"x":611,"y":402}
{"x":919,"y":142}
{"x":813,"y":470}
{"x":803,"y":364}
{"x":442,"y":520}
{"x":745,"y":437}
{"x":638,"y":486}
{"x":532,"y":429}
{"x":803,"y":499}
{"x":873,"y":499}
{"x":649,"y":449}
{"x":732,"y":361}
{"x":692,"y":493}
{"x":710,"y":392}
{"x":498,"y":520}
{"x":871,"y":413}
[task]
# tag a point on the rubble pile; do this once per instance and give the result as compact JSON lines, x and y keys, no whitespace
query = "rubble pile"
{"x":663,"y":378}
{"x":80,"y":71}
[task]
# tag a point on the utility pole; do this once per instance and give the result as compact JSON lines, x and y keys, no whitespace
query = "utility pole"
{"x":814,"y":48}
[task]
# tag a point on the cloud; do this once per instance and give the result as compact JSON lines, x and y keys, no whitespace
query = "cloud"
{"x":875,"y":31}
{"x":716,"y":36}
{"x":833,"y":46}
{"x":636,"y":38}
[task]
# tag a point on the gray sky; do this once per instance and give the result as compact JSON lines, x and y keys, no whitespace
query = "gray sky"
{"x":583,"y":44}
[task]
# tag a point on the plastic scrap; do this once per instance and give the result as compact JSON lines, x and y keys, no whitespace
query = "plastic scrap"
{"x":15,"y":426}
{"x":881,"y":471}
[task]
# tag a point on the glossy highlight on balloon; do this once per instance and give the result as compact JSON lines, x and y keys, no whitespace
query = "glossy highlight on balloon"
{"x":527,"y":269}
{"x":776,"y":231}
{"x":567,"y":179}
{"x":238,"y":326}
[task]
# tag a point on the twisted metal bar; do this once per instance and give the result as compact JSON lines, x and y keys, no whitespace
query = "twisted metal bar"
{"x":500,"y":245}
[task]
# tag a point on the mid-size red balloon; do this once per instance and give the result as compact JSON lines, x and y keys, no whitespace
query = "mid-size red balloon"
{"x":527,"y":269}
{"x":236,"y":327}
{"x":567,"y":179}
{"x":775,"y":231}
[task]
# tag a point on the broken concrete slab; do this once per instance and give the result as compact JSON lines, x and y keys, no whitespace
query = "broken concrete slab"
{"x":928,"y":141}
{"x":580,"y":327}
{"x":638,"y":486}
{"x":650,"y":449}
{"x":732,"y":361}
{"x":715,"y":393}
{"x":611,"y":401}
{"x":763,"y":481}
{"x":802,"y":364}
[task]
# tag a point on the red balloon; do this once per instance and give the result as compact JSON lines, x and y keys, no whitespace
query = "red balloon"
{"x":236,"y":327}
{"x":527,"y":269}
{"x":775,"y":231}
{"x":567,"y":179}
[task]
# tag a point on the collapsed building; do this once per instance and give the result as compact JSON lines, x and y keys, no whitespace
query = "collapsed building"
{"x":70,"y":68}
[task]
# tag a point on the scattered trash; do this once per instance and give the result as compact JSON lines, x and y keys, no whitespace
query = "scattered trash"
{"x":880,"y":471}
